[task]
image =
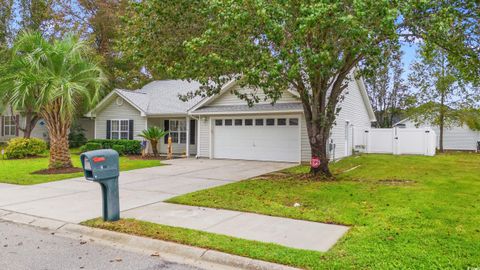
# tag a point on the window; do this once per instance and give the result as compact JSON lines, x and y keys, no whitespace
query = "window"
{"x":119,"y":130}
{"x":281,"y":121}
{"x":293,"y":121}
{"x":178,"y":131}
{"x":270,"y":122}
{"x":228,"y":122}
{"x":248,"y":122}
{"x":238,"y":122}
{"x":218,"y":122}
{"x":258,"y":122}
{"x":9,"y":126}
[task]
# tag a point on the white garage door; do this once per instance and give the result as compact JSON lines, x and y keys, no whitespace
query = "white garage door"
{"x":267,"y":138}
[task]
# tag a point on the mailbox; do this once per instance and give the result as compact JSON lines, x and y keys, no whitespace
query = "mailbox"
{"x":102,"y":166}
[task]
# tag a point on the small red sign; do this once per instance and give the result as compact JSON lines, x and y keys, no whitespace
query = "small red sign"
{"x":315,"y":162}
{"x":98,"y":159}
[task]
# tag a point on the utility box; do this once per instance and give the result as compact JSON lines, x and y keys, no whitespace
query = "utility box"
{"x":102,"y":166}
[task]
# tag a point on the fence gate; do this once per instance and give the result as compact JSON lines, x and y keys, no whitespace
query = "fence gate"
{"x":398,"y":141}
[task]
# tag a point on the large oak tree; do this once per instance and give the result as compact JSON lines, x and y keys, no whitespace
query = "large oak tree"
{"x":312,"y":47}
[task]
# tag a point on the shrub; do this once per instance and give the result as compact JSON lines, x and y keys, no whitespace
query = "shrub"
{"x":132,"y":147}
{"x":21,"y":148}
{"x":90,"y":146}
{"x":76,"y":137}
{"x":119,"y":148}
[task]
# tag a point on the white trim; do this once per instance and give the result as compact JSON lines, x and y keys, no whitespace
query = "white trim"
{"x":249,"y":112}
{"x":208,"y":100}
{"x":210,"y":142}
{"x":187,"y":143}
{"x":95,"y":128}
{"x":366,"y":99}
{"x":92,"y":113}
{"x":120,"y":129}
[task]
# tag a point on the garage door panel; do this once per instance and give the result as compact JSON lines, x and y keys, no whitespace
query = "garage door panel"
{"x":267,"y":143}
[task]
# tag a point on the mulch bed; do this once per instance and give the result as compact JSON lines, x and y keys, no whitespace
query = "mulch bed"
{"x":59,"y":171}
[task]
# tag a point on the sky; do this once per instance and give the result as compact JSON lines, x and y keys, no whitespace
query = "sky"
{"x":409,"y":54}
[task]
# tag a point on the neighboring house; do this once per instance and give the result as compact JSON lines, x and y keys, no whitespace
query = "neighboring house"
{"x":9,"y":128}
{"x":458,"y":137}
{"x":223,"y":126}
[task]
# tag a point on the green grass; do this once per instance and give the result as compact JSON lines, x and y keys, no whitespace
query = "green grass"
{"x":246,"y":248}
{"x":432,"y":222}
{"x":20,"y":171}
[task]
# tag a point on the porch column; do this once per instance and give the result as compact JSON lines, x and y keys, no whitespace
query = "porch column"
{"x":187,"y":145}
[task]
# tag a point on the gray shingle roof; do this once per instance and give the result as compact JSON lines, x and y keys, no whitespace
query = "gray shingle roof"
{"x":245,"y":108}
{"x":162,"y":97}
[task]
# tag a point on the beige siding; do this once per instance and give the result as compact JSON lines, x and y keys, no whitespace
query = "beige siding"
{"x":229,"y":98}
{"x":178,"y":148}
{"x":306,"y":151}
{"x":204,"y":136}
{"x":89,"y":126}
{"x":113,"y":111}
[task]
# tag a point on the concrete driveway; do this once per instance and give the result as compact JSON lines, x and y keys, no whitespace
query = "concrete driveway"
{"x":76,"y":200}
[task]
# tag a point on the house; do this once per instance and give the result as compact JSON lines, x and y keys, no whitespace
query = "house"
{"x":9,"y":128}
{"x":223,"y":126}
{"x":456,"y":137}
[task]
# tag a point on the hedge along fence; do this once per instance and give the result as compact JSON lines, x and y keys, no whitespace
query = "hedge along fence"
{"x":129,"y":147}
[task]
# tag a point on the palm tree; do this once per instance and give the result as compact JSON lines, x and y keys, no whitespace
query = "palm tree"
{"x":19,"y":85}
{"x":65,"y":77}
{"x":153,"y":135}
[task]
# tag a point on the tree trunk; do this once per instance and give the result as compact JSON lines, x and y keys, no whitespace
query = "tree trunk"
{"x":58,"y":128}
{"x":59,"y":152}
{"x":441,"y":122}
{"x":318,"y":137}
{"x":154,"y":147}
{"x":30,"y":123}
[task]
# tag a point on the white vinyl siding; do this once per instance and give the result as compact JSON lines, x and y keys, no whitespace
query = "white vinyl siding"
{"x":204,"y":136}
{"x":113,"y":111}
{"x":353,"y":109}
{"x":229,"y":98}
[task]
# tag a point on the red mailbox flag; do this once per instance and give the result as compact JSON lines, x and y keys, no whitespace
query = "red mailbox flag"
{"x":98,"y":159}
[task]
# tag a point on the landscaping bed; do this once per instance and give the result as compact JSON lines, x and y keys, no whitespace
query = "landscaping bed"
{"x":405,"y":212}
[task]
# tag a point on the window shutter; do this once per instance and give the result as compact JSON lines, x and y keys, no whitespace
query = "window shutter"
{"x":192,"y":131}
{"x":130,"y":129}
{"x":166,"y":126}
{"x":109,"y":129}
{"x":1,"y":126}
{"x":17,"y":122}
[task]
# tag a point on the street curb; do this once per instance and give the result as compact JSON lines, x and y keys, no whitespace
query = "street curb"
{"x":201,"y":257}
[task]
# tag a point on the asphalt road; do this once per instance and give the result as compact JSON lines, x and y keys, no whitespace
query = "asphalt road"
{"x":24,"y":247}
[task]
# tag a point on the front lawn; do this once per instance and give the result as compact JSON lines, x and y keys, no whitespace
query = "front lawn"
{"x":19,"y":171}
{"x":405,"y":212}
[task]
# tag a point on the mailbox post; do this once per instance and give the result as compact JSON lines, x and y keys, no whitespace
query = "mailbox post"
{"x":102,"y":166}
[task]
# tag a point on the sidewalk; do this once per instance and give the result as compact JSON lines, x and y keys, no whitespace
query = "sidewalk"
{"x":283,"y":231}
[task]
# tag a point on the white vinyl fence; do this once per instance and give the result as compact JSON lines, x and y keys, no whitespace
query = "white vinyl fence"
{"x":397,"y":141}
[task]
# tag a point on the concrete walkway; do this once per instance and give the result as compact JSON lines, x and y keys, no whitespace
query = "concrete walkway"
{"x":283,"y":231}
{"x":143,"y":191}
